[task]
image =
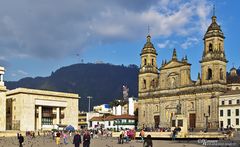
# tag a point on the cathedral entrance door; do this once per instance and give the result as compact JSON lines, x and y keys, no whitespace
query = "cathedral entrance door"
{"x":156,"y":121}
{"x":192,"y":120}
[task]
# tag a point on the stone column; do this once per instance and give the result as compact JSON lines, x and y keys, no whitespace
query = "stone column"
{"x":39,"y":117}
{"x":1,"y":80}
{"x":58,"y":115}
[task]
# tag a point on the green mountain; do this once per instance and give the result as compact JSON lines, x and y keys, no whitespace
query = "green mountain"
{"x":101,"y":81}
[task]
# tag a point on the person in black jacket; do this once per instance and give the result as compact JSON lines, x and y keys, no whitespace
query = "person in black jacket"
{"x":148,"y":142}
{"x":21,"y":140}
{"x":77,"y":140}
{"x":86,"y":139}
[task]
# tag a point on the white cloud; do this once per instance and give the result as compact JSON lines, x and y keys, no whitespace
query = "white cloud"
{"x":164,"y":44}
{"x":22,"y":72}
{"x":54,"y":29}
{"x":189,"y":42}
{"x":19,"y":73}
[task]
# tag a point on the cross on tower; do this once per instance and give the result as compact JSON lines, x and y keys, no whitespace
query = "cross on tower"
{"x":213,"y":9}
{"x":148,"y":29}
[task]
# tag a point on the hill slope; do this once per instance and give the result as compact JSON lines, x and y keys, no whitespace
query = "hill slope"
{"x":101,"y":81}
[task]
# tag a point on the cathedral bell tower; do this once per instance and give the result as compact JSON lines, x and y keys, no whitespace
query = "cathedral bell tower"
{"x":148,"y":74}
{"x":213,"y":63}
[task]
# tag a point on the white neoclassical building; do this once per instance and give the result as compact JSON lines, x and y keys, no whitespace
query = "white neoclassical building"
{"x":229,"y":102}
{"x":2,"y":101}
{"x":31,"y":109}
{"x":229,"y":109}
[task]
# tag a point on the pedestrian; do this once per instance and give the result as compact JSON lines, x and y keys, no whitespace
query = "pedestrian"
{"x":148,"y":141}
{"x":53,"y":135}
{"x":142,"y":134}
{"x":65,"y":138}
{"x":126,"y":135}
{"x":77,"y":140}
{"x":33,"y":134}
{"x":86,"y":139}
{"x":91,"y":134}
{"x":58,"y":138}
{"x":21,"y":140}
{"x":174,"y":133}
{"x":120,"y":140}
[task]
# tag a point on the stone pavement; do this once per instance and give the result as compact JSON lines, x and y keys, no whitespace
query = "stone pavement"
{"x":99,"y":142}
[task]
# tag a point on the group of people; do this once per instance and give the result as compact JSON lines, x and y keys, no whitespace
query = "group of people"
{"x":57,"y":135}
{"x":77,"y":139}
{"x":86,"y":139}
{"x":128,"y":135}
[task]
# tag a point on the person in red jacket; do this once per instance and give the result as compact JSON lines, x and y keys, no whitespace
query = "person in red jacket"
{"x":86,"y":139}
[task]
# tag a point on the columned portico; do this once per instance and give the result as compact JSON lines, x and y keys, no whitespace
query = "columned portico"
{"x":1,"y":78}
{"x":58,"y":116}
{"x":42,"y":110}
{"x":39,"y":117}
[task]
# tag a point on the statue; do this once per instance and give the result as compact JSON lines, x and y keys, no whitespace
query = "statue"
{"x":179,"y":108}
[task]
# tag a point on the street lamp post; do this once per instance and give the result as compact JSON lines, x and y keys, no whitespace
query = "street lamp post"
{"x":89,"y":103}
{"x":206,"y":116}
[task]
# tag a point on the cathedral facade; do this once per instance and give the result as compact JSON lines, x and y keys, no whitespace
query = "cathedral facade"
{"x":169,"y":90}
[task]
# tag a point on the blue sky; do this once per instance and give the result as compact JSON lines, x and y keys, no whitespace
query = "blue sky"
{"x":38,"y":37}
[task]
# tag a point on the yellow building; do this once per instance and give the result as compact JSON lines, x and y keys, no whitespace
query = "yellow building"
{"x":82,"y":120}
{"x":31,"y":109}
{"x":168,"y":90}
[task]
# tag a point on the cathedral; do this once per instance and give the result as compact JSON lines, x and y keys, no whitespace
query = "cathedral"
{"x":166,"y":91}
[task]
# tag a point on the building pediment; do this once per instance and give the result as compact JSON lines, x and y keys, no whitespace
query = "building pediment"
{"x":174,"y":64}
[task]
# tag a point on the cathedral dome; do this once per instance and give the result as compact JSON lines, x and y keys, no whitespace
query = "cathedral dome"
{"x":233,"y":71}
{"x":149,"y":47}
{"x":214,"y":30}
{"x":148,"y":44}
{"x":233,"y":77}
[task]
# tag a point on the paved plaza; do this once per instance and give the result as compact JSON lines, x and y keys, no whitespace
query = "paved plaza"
{"x":99,"y":142}
{"x":47,"y":141}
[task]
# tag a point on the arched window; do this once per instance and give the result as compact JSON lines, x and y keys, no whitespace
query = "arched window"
{"x":153,"y":83}
{"x":157,"y":108}
{"x":145,"y":61}
{"x":152,"y":61}
{"x":209,"y":74}
{"x":192,"y":105}
{"x":144,"y":84}
{"x":221,"y":74}
{"x":210,"y":47}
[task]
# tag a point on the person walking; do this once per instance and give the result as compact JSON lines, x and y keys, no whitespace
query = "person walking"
{"x":77,"y":140}
{"x":174,"y":133}
{"x":20,"y":140}
{"x":142,"y":134}
{"x":86,"y":139}
{"x":65,"y":138}
{"x":148,"y":141}
{"x":58,"y":138}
